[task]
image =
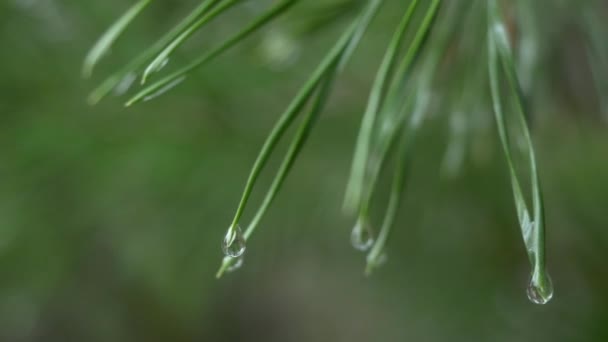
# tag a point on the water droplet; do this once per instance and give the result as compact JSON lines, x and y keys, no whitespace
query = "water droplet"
{"x":234,"y":242}
{"x":235,"y":264}
{"x":362,"y":236}
{"x":540,"y":290}
{"x":165,"y":89}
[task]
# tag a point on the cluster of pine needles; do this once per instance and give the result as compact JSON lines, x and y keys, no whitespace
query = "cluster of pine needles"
{"x":484,"y":47}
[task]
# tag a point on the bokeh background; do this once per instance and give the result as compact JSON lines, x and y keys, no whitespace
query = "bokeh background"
{"x":111,"y":218}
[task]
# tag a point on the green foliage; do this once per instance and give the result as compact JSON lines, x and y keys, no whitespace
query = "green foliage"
{"x":105,"y":42}
{"x":532,"y":226}
{"x":440,"y":37}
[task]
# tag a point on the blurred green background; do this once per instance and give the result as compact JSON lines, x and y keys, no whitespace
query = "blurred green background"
{"x":111,"y":218}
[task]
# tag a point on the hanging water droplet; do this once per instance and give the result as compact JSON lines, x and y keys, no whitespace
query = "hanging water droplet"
{"x":234,"y":242}
{"x":362,"y":236}
{"x":165,"y":89}
{"x":236,"y":263}
{"x":540,"y":289}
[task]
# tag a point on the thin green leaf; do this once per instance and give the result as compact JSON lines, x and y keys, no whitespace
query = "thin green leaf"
{"x":325,"y":71}
{"x":366,"y":18}
{"x":294,"y":149}
{"x":400,"y":80}
{"x":164,"y":55}
{"x":399,"y":176}
{"x":357,"y":174}
{"x":103,"y":45}
{"x":290,"y":157}
{"x":287,"y":118}
{"x":393,"y":112}
{"x":132,"y":67}
{"x":258,"y":23}
{"x":532,"y":226}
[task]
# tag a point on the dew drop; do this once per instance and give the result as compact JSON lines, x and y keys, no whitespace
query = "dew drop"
{"x":540,"y":290}
{"x":234,"y":243}
{"x":165,"y":89}
{"x":236,"y":264}
{"x":362,"y":236}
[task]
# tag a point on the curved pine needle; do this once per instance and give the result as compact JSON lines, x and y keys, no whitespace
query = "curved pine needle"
{"x":259,"y":22}
{"x":396,"y":193}
{"x":357,"y":174}
{"x":367,"y":17}
{"x":294,"y":149}
{"x":138,"y":62}
{"x":164,"y":55}
{"x":399,"y":82}
{"x":105,"y":42}
{"x":290,"y":157}
{"x":416,"y":106}
{"x":287,"y":118}
{"x":393,"y":111}
{"x":325,"y":73}
{"x":532,"y":226}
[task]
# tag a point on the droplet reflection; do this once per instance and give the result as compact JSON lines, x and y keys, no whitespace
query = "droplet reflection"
{"x":540,"y":289}
{"x":234,"y":243}
{"x":236,"y":264}
{"x":362,"y":236}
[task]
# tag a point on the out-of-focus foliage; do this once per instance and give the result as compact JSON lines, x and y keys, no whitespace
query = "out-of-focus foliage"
{"x":110,"y":219}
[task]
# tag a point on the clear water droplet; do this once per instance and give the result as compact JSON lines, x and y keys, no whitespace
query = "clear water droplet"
{"x":236,"y":264}
{"x":540,"y":289}
{"x":165,"y":89}
{"x":362,"y":236}
{"x":234,"y":242}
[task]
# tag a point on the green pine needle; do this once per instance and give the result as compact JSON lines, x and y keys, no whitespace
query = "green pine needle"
{"x":532,"y":225}
{"x":323,"y":78}
{"x":147,"y":55}
{"x":377,"y":94}
{"x":104,"y":43}
{"x":258,"y":23}
{"x":193,"y":27}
